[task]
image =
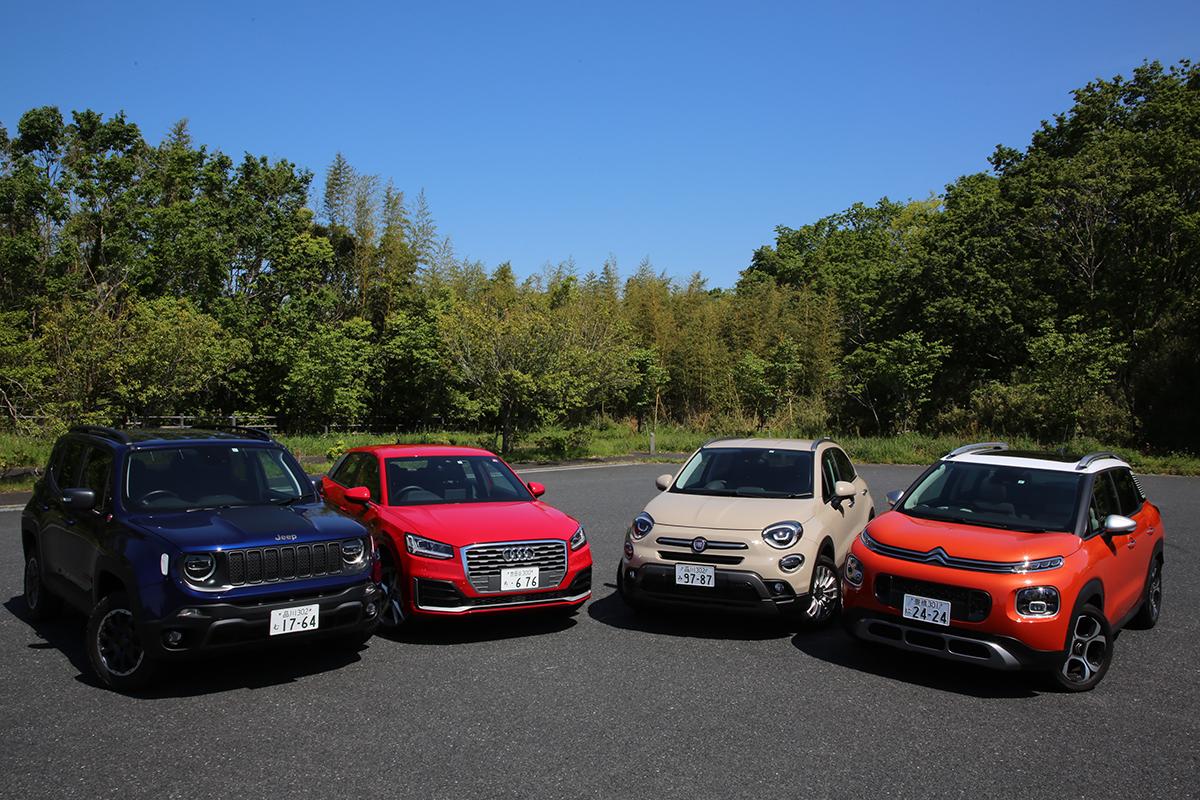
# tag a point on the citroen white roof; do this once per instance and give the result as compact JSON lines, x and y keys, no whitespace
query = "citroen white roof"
{"x":998,"y":452}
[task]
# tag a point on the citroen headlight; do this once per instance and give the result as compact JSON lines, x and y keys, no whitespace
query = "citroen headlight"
{"x":853,"y":571}
{"x":1037,"y":601}
{"x":199,"y":567}
{"x":642,"y":524}
{"x":578,"y":539}
{"x":420,"y":546}
{"x":783,"y":535}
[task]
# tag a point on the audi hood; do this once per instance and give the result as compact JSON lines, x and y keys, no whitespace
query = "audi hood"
{"x":461,"y":524}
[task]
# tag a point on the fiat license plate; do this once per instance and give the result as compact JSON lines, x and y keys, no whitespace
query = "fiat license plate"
{"x":926,"y":609}
{"x":518,"y":578}
{"x":695,"y":575}
{"x":295,"y":619}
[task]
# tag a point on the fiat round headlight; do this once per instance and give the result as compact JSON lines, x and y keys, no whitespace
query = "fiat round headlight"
{"x":783,"y":535}
{"x":642,"y":524}
{"x":199,"y":567}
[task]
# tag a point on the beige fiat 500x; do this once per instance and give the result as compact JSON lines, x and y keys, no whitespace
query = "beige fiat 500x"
{"x":755,"y":524}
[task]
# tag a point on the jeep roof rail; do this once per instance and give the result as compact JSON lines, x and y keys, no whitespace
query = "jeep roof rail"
{"x":1087,"y":460}
{"x":251,"y":433}
{"x":818,"y":442}
{"x":104,"y":432}
{"x":978,"y":447}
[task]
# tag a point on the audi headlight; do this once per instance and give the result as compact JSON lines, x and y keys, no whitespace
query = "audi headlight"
{"x":199,"y":567}
{"x":420,"y":546}
{"x":642,"y":524}
{"x":353,"y":551}
{"x":1037,"y":601}
{"x":783,"y":535}
{"x":578,"y":539}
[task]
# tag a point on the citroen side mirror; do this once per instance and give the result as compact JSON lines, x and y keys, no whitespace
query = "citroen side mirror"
{"x":1115,"y":524}
{"x":894,"y":496}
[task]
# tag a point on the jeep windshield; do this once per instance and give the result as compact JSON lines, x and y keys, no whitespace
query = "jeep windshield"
{"x":747,"y":472}
{"x":997,"y":496}
{"x":212,"y":476}
{"x":452,"y":479}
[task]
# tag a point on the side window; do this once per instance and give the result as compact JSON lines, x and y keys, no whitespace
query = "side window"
{"x":346,"y":473}
{"x":829,"y":475}
{"x":97,"y":475}
{"x":368,"y":475}
{"x":1104,"y":502}
{"x":65,"y":464}
{"x":844,"y":468}
{"x":1128,"y":496}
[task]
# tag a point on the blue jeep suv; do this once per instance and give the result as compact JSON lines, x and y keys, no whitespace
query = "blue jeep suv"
{"x":185,"y":541}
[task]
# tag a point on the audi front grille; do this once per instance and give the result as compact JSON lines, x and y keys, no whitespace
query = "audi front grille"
{"x":483,"y":562}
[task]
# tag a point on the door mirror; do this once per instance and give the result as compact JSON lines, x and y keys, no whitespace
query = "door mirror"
{"x":1117,"y":524}
{"x":664,"y":481}
{"x":536,"y":489}
{"x":358,"y":494}
{"x":319,"y":487}
{"x":844,"y":490}
{"x":79,"y":499}
{"x":894,"y":496}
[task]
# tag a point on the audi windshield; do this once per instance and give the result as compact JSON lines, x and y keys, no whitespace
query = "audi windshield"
{"x":747,"y":472}
{"x":452,"y":479}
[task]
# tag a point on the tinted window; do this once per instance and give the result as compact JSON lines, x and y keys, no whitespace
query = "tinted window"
{"x":451,"y":479}
{"x":368,"y":475}
{"x":1104,"y":502}
{"x":66,"y":462}
{"x":212,"y":476}
{"x":346,"y":473}
{"x":97,"y":473}
{"x":1129,"y":498}
{"x":747,"y":472}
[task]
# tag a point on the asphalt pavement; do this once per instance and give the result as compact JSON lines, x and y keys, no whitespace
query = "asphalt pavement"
{"x":608,"y":704}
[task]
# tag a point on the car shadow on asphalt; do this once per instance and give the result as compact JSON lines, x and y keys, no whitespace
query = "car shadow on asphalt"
{"x":834,"y":646}
{"x":480,"y":628}
{"x":251,"y":669}
{"x":703,"y":624}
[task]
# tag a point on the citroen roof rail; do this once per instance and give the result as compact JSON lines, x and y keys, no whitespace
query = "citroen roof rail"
{"x":104,"y":432}
{"x":818,"y":442}
{"x":978,"y":447}
{"x":1090,"y":458}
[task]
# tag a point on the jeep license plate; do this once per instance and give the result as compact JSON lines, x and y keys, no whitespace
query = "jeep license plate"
{"x":517,"y":579}
{"x":926,"y":609}
{"x":695,"y":575}
{"x":295,"y":619}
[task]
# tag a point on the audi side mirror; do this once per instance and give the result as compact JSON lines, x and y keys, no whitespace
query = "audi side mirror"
{"x":1118,"y":525}
{"x":358,"y":494}
{"x":536,"y":489}
{"x":894,"y":496}
{"x":664,"y":481}
{"x":79,"y":499}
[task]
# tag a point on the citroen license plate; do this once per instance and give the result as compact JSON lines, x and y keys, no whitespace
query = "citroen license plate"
{"x":695,"y":575}
{"x":517,"y":579}
{"x":295,"y":619}
{"x":926,"y":609}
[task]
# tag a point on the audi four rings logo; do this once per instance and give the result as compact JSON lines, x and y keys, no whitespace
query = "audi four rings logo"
{"x":517,"y":553}
{"x":699,"y":543}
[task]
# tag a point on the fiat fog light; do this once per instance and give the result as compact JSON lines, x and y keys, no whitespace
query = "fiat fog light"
{"x":642,"y":524}
{"x":853,"y":571}
{"x":783,"y":535}
{"x":578,"y":539}
{"x":1037,"y":601}
{"x":353,"y":551}
{"x":628,"y":549}
{"x":420,"y":546}
{"x":791,"y":563}
{"x":199,"y":567}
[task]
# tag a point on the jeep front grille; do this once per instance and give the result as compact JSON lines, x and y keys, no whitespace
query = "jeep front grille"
{"x":483,"y":562}
{"x":283,"y":563}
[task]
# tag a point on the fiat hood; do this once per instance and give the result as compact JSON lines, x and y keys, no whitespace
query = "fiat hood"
{"x":969,"y":541}
{"x":249,"y":526}
{"x":727,"y":513}
{"x":461,"y":524}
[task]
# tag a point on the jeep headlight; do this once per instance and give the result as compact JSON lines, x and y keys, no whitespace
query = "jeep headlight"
{"x":578,"y":539}
{"x":353,"y":551}
{"x":783,"y":535}
{"x":642,"y":524}
{"x":199,"y":567}
{"x":420,"y":546}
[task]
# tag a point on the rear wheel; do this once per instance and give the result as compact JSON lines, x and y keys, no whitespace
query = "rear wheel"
{"x":114,"y":646}
{"x":42,"y":604}
{"x":391,"y":584}
{"x":1089,"y":651}
{"x":824,"y":594}
{"x":1147,"y":616}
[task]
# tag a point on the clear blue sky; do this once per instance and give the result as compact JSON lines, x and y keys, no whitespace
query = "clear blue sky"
{"x":540,"y":131}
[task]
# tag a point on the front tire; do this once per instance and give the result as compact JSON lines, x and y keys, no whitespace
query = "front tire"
{"x":114,"y":647}
{"x":1147,"y":616}
{"x":40,"y":602}
{"x":1088,"y":653}
{"x":824,"y":594}
{"x":392,"y":616}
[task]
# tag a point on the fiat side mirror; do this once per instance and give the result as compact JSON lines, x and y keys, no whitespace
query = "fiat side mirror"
{"x":843,"y":490}
{"x":663,"y":481}
{"x":536,"y":489}
{"x":358,"y":494}
{"x":1118,"y":525}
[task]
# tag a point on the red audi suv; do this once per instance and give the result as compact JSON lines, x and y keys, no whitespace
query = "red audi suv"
{"x":459,"y":533}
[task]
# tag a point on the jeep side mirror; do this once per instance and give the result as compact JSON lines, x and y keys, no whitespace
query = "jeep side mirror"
{"x":1119,"y":525}
{"x":844,"y":490}
{"x":79,"y":499}
{"x":664,"y":481}
{"x":894,"y":496}
{"x":358,"y":494}
{"x":536,"y":489}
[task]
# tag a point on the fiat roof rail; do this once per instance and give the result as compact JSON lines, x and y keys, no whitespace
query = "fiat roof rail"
{"x":104,"y":432}
{"x":978,"y":447}
{"x":1087,"y":460}
{"x":818,"y":442}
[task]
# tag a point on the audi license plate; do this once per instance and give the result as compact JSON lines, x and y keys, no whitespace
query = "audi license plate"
{"x":295,"y":619}
{"x":926,"y":609}
{"x":518,"y":578}
{"x":695,"y":575}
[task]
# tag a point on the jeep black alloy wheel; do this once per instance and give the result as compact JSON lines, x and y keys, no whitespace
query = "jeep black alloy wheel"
{"x":1088,"y":653}
{"x":391,"y":616}
{"x":39,"y":601}
{"x":114,"y":647}
{"x":824,"y":593}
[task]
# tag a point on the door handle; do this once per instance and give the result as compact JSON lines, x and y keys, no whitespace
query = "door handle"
{"x":1131,"y":543}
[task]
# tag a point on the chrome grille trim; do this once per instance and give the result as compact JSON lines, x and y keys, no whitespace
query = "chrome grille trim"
{"x":710,"y":544}
{"x":482,"y":562}
{"x":939,"y":557}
